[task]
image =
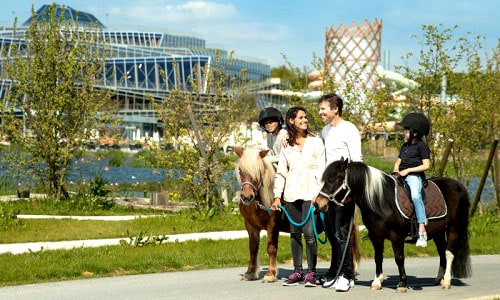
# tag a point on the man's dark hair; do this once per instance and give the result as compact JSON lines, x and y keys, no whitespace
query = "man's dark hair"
{"x":334,"y":100}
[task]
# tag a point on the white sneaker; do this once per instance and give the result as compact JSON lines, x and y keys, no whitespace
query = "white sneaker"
{"x":343,"y":284}
{"x":330,"y":284}
{"x":422,"y":240}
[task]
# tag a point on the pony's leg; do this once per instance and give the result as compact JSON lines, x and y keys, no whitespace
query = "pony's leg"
{"x":440,"y":241}
{"x":272,"y":251}
{"x":253,"y":247}
{"x":378,"y":246}
{"x":446,"y":281}
{"x":398,"y":247}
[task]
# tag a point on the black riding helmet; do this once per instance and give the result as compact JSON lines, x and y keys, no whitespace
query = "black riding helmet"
{"x":270,"y":113}
{"x":416,"y":121}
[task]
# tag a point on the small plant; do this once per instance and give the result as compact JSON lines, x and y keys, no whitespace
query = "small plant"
{"x":98,"y":187}
{"x":143,"y":240}
{"x":8,"y":218}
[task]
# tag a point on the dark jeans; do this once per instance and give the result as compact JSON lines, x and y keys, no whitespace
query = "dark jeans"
{"x":342,"y":223}
{"x":298,"y":211}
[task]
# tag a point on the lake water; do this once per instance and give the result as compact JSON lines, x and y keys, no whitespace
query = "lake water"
{"x":87,"y":170}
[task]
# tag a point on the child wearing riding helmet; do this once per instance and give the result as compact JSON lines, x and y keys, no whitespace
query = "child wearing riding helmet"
{"x":271,"y":121}
{"x":412,"y":162}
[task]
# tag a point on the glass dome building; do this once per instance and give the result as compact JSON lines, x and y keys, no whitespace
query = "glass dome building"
{"x":141,"y":63}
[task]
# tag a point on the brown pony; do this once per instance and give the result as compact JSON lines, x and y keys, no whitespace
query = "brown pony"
{"x":256,"y":179}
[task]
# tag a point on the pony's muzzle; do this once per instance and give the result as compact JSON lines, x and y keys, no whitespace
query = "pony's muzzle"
{"x":247,"y":200}
{"x":321,"y":203}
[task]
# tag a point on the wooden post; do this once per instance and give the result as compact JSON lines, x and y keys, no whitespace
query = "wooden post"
{"x":483,"y":178}
{"x":444,"y":159}
{"x":497,"y":179}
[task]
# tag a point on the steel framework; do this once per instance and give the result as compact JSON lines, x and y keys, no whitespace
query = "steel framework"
{"x":353,"y":52}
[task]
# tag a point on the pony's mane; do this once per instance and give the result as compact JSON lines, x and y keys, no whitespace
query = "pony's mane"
{"x":375,"y":186}
{"x":260,"y":170}
{"x":371,"y":180}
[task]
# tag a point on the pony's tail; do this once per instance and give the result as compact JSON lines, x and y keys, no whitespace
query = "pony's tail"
{"x":354,"y":242}
{"x":461,"y":267}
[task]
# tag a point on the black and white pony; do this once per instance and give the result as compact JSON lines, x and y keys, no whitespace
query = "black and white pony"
{"x":374,"y":193}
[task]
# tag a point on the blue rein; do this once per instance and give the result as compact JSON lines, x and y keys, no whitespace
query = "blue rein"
{"x":310,"y":213}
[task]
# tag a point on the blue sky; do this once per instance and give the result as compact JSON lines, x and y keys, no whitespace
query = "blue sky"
{"x":267,"y":29}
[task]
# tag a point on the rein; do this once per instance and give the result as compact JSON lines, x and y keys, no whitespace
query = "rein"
{"x":344,"y":186}
{"x":310,"y":213}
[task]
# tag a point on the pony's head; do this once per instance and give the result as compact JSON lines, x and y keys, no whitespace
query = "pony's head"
{"x":345,"y":181}
{"x":334,"y":186}
{"x":255,"y":176}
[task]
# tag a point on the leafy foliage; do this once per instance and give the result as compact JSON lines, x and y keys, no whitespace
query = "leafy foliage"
{"x":206,"y":112}
{"x":470,"y":117}
{"x":54,"y":77}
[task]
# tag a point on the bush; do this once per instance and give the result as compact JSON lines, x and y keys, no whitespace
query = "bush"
{"x":8,"y":217}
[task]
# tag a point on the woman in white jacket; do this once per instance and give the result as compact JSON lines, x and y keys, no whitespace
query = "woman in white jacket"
{"x":298,"y":179}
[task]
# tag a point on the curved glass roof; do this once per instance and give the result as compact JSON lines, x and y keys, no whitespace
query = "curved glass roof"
{"x":70,"y":15}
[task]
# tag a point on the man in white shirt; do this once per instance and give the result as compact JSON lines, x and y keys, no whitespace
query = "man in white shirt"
{"x":342,"y":140}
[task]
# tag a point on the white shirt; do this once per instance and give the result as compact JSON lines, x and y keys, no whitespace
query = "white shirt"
{"x":343,"y":140}
{"x":299,"y":171}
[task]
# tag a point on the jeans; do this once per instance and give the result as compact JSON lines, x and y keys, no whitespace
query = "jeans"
{"x":298,"y":211}
{"x":415,"y":184}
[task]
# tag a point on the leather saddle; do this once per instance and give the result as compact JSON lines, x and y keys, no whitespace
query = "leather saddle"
{"x":435,"y":206}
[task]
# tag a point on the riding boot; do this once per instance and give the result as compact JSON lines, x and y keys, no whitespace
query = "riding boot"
{"x":413,"y":234}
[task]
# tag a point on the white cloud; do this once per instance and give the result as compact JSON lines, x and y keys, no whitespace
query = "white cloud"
{"x":164,"y":13}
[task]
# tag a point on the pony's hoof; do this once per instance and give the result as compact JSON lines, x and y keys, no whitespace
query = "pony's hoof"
{"x":269,"y":279}
{"x":445,"y":285}
{"x":401,"y":289}
{"x":376,"y":287}
{"x":249,"y":277}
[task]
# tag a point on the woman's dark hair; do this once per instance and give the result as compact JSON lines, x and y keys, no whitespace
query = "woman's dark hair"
{"x":334,"y":100}
{"x":293,"y":134}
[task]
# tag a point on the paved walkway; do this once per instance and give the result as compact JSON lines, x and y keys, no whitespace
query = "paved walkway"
{"x":18,"y":248}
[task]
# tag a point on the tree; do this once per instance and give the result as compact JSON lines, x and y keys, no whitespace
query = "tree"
{"x":471,"y":116}
{"x":54,"y":75}
{"x":200,"y":119}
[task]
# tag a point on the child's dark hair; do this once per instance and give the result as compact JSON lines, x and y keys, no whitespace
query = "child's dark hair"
{"x":293,"y":134}
{"x":415,"y":134}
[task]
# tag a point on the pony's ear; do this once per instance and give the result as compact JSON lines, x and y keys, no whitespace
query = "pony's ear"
{"x":238,"y":151}
{"x":263,"y":153}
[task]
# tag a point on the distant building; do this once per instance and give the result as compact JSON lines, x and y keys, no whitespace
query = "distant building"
{"x":141,"y":63}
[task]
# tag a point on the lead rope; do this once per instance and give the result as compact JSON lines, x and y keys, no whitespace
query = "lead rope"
{"x":309,"y":214}
{"x":331,"y":282}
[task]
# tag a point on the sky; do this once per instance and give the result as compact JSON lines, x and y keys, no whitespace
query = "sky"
{"x":281,"y":31}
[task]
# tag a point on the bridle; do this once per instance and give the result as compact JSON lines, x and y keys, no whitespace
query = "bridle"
{"x":343,"y":187}
{"x":255,"y":187}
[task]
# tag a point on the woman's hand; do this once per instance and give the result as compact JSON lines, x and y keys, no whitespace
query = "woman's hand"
{"x":276,"y":202}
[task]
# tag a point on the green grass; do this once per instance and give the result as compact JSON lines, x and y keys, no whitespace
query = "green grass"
{"x":36,"y":230}
{"x":78,"y":263}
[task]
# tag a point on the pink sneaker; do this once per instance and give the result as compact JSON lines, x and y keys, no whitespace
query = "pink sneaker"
{"x":294,"y":279}
{"x":310,"y":279}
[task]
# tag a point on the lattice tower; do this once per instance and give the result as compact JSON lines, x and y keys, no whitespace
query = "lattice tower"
{"x":353,"y":52}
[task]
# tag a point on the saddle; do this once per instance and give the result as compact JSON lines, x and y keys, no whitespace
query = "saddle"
{"x":435,"y":206}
